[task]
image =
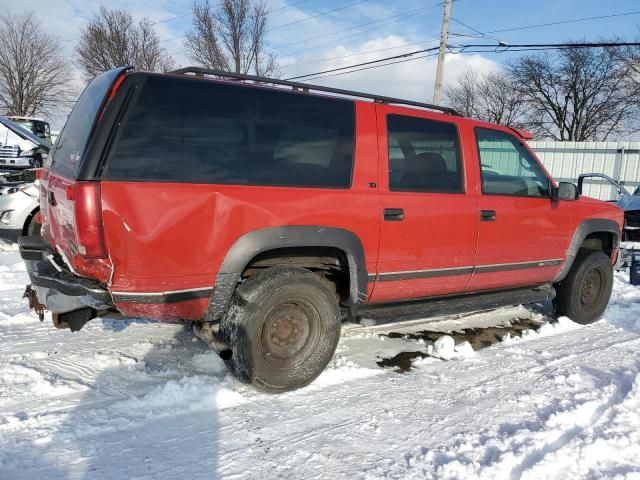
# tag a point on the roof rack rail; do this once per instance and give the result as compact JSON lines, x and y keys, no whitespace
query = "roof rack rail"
{"x":306,"y":87}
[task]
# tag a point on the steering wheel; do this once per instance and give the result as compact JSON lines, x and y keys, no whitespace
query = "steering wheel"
{"x":524,"y":164}
{"x":488,"y":170}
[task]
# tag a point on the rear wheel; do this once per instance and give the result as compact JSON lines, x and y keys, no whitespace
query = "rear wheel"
{"x":584,"y":294}
{"x":283,"y":327}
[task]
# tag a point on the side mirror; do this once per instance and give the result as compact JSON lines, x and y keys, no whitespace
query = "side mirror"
{"x":564,"y":191}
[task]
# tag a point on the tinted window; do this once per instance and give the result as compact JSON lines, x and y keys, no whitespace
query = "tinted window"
{"x":73,"y":140}
{"x":185,"y":130}
{"x":507,"y":166}
{"x":424,"y":155}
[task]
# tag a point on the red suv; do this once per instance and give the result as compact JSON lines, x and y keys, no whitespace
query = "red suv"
{"x":267,"y":215}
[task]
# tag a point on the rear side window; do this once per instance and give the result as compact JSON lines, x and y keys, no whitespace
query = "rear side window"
{"x":184,"y":130}
{"x":74,"y":137}
{"x":424,"y":155}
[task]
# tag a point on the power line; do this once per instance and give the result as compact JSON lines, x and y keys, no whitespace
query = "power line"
{"x":468,"y":26}
{"x":386,"y":20}
{"x":375,"y":66}
{"x":563,"y":22}
{"x":403,"y":55}
{"x":172,"y":18}
{"x":191,"y":13}
{"x":558,"y":45}
{"x":481,"y":48}
{"x":270,"y":12}
{"x":321,"y":60}
{"x":287,"y":6}
{"x":318,"y":15}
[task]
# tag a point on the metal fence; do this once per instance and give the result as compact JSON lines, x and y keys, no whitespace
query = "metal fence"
{"x":566,"y":160}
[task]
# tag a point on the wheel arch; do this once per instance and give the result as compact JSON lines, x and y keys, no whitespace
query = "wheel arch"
{"x":591,"y":229}
{"x":25,"y":226}
{"x":256,"y":242}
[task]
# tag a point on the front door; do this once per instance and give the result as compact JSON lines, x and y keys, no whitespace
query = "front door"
{"x":523,"y":233}
{"x":429,"y":217}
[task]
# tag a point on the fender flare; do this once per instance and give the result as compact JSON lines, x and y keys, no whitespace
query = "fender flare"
{"x":258,"y":241}
{"x":587,"y":227}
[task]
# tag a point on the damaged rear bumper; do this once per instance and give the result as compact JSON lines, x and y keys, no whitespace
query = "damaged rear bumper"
{"x":57,"y":288}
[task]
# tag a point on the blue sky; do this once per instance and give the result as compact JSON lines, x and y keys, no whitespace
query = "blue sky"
{"x":392,"y":28}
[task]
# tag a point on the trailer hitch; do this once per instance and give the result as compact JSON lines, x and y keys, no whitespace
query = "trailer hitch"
{"x":34,"y":303}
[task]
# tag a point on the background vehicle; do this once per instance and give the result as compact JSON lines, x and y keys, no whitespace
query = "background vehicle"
{"x":629,"y":202}
{"x":19,"y":206}
{"x":19,"y":148}
{"x":37,"y":126}
{"x":305,"y":209}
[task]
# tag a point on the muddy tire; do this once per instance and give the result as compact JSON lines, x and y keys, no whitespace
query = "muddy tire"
{"x":584,"y":294}
{"x":283,"y":327}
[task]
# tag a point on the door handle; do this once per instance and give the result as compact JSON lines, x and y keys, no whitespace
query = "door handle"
{"x":487,"y":215}
{"x":52,"y":199}
{"x":393,"y":214}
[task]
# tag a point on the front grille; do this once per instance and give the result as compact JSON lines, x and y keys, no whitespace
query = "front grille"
{"x":8,"y":154}
{"x":631,"y":231}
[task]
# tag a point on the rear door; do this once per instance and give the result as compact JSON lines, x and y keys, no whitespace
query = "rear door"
{"x":64,"y":163}
{"x":523,"y":233}
{"x":428,"y":206}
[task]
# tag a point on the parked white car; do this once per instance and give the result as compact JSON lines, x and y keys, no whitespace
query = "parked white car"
{"x":19,"y":208}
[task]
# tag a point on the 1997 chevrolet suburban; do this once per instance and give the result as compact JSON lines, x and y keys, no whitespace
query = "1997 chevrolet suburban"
{"x":267,"y":214}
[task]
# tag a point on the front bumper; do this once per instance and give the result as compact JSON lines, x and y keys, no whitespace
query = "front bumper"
{"x":16,"y":163}
{"x":57,"y":288}
{"x":11,"y":234}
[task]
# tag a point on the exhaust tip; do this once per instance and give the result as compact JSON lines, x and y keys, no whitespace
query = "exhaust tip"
{"x":225,"y":354}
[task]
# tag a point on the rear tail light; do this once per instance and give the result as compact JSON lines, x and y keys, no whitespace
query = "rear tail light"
{"x":88,"y":217}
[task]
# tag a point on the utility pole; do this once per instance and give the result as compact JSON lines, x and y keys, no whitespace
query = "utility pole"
{"x":437,"y":91}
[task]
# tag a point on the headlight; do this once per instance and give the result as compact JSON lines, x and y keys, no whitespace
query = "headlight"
{"x":8,"y":190}
{"x":28,"y":153}
{"x":5,"y":217}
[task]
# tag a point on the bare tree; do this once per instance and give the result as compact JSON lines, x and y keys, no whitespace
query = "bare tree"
{"x":34,"y":76}
{"x":578,"y":94}
{"x":491,"y":97}
{"x":113,"y":39}
{"x":464,"y":95}
{"x":231,"y":37}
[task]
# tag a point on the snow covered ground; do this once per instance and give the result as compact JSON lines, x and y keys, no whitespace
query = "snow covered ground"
{"x":133,"y":399}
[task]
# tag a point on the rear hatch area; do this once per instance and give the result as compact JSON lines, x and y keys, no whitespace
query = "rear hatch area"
{"x":70,"y":206}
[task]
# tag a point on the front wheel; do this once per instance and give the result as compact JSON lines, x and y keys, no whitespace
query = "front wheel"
{"x":584,"y":294}
{"x":32,"y":227}
{"x":283,"y":327}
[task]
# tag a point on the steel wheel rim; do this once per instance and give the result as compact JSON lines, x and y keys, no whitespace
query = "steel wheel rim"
{"x":591,"y":289}
{"x":289,"y":334}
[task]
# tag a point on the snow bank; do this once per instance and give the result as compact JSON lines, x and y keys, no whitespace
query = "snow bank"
{"x":188,"y":394}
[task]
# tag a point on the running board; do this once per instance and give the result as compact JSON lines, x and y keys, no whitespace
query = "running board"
{"x":381,"y":314}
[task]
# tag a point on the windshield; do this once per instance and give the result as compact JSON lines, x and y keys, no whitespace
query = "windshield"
{"x":16,"y":130}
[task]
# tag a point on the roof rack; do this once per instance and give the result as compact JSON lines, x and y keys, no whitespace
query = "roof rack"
{"x":306,"y":87}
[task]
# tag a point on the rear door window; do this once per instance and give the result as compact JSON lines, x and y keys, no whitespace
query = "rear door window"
{"x":73,"y":139}
{"x":186,"y":130}
{"x":424,"y":155}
